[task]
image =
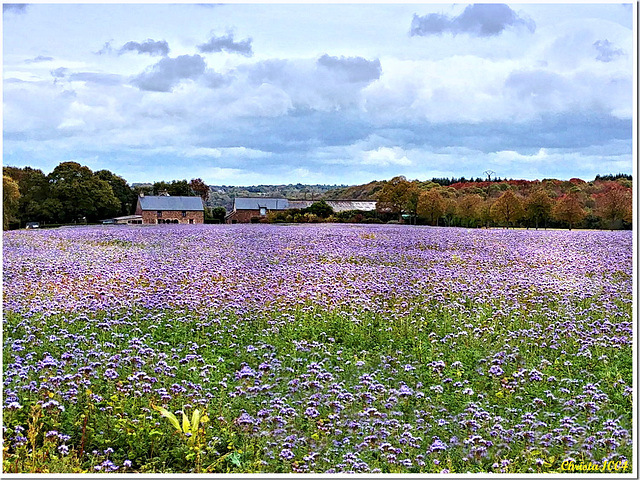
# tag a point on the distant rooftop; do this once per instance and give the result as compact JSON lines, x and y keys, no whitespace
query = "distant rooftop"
{"x":171,"y":203}
{"x":261,"y":202}
{"x":337,"y":205}
{"x":255,"y":203}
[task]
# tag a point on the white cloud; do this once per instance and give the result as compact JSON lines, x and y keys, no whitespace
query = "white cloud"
{"x":385,"y":156}
{"x":341,"y":90}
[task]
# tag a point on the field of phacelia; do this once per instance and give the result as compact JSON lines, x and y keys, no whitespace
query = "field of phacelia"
{"x":322,"y":348}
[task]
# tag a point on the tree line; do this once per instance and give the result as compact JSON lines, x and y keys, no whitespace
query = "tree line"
{"x":604,"y":203}
{"x":72,"y":193}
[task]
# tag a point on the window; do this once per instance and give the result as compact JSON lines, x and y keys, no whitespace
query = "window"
{"x":184,"y":213}
{"x":159,"y":213}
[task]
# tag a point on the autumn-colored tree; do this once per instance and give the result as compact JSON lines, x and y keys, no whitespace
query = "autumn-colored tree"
{"x":484,"y":212}
{"x":411,"y":200}
{"x":449,"y":209}
{"x":10,"y":197}
{"x":467,"y":209}
{"x":507,"y":209}
{"x":398,"y":195}
{"x":431,"y":205}
{"x":200,"y":188}
{"x":537,"y":207}
{"x":569,"y":209}
{"x":614,"y":205}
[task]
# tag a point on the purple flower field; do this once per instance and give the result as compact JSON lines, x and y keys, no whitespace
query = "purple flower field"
{"x":316,"y":348}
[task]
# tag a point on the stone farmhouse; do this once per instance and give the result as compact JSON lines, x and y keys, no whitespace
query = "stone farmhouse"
{"x":166,"y":209}
{"x":248,"y":209}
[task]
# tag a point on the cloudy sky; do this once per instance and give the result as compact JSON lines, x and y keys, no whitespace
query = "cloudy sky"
{"x":338,"y":94}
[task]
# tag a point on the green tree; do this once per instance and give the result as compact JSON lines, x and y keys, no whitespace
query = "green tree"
{"x":33,"y":204}
{"x":10,"y":197}
{"x":80,"y":194}
{"x":431,"y":205}
{"x":320,"y":209}
{"x":569,"y":209}
{"x":537,"y":207}
{"x":215,"y":215}
{"x":177,"y":188}
{"x":507,"y":209}
{"x":121,"y":190}
{"x":34,"y":190}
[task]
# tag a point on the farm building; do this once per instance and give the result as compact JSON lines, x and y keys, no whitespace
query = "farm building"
{"x":338,"y":205}
{"x":246,"y":209}
{"x":167,"y":209}
{"x":126,"y":220}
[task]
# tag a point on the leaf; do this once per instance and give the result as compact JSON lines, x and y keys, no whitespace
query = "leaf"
{"x":235,"y":458}
{"x":186,"y":426}
{"x":195,"y":421}
{"x":172,"y":418}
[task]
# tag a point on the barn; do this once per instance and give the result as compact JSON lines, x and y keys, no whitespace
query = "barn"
{"x":166,"y":209}
{"x":247,"y":210}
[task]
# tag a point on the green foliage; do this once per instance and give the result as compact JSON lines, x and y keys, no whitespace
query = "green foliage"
{"x":214,"y":215}
{"x":177,"y":188}
{"x":33,"y":204}
{"x":80,"y":195}
{"x":121,"y":190}
{"x":320,"y":209}
{"x":10,"y":198}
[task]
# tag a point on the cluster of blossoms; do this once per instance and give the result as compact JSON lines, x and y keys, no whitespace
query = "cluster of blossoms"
{"x":334,"y":347}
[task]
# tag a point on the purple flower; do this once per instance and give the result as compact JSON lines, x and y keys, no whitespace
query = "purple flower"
{"x":311,"y":412}
{"x":245,"y":372}
{"x":245,"y":419}
{"x":437,"y":446}
{"x":535,"y":375}
{"x":405,"y":391}
{"x":287,"y":454}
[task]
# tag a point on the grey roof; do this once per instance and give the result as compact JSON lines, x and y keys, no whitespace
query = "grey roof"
{"x":171,"y":203}
{"x":338,"y":205}
{"x":259,"y":202}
